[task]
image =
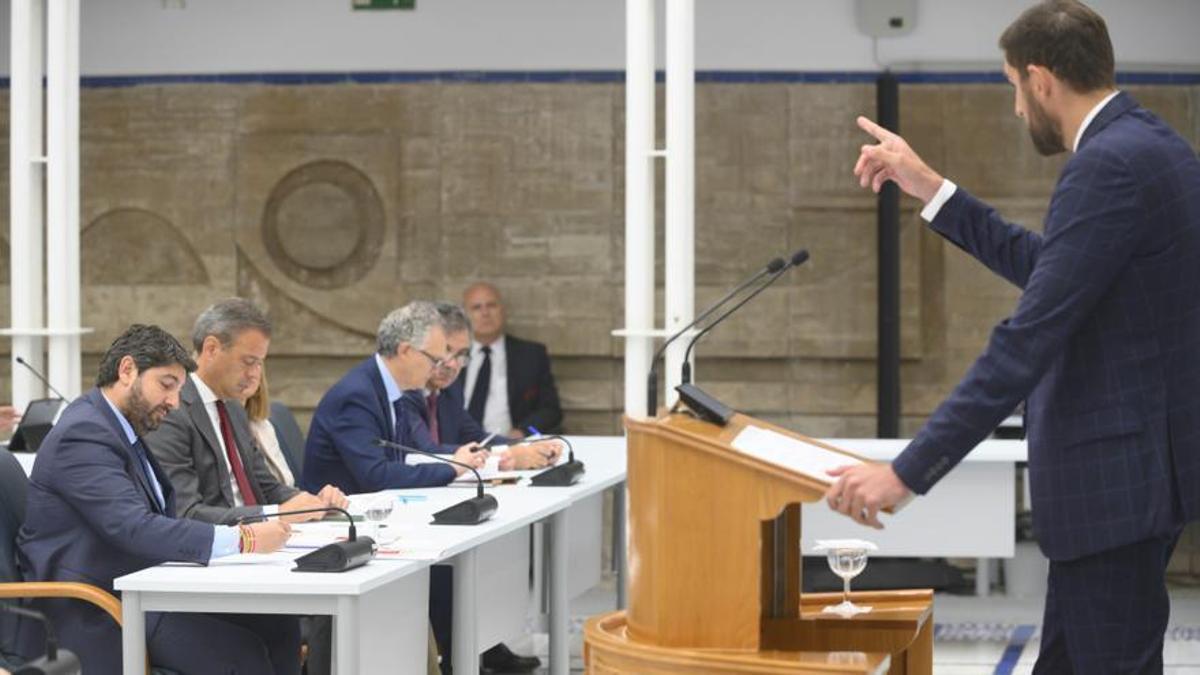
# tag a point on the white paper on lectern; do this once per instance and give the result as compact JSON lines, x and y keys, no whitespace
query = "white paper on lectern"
{"x":791,"y":453}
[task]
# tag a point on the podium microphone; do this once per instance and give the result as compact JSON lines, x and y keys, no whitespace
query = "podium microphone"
{"x":702,"y":403}
{"x":336,"y":557}
{"x":39,"y":376}
{"x":56,"y":661}
{"x":468,"y":512}
{"x":772,"y":267}
{"x":562,"y":475}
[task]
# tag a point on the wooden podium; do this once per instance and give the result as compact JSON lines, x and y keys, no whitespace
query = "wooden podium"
{"x":715,"y":569}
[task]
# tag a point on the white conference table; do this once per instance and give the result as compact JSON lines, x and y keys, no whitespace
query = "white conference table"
{"x":379,"y":609}
{"x":491,"y":559}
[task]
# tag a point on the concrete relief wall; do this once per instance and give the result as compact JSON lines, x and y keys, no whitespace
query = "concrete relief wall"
{"x":332,"y":204}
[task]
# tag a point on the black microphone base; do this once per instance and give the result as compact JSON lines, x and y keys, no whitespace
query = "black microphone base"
{"x":559,"y":476}
{"x":470,"y":512}
{"x":337,"y":557}
{"x":705,"y":406}
{"x":66,"y":663}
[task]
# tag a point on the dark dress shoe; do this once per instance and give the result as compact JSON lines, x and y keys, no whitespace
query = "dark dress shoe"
{"x":501,"y":659}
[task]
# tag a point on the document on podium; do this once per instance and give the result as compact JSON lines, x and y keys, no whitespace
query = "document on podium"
{"x":791,"y":453}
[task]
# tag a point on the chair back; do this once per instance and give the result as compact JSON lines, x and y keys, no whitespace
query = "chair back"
{"x":291,"y":439}
{"x":14,"y":485}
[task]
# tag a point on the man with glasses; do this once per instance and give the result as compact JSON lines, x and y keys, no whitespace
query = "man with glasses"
{"x":437,"y":419}
{"x":438,"y":422}
{"x":365,"y":406}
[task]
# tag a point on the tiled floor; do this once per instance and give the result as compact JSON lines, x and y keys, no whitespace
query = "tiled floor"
{"x":972,"y":633}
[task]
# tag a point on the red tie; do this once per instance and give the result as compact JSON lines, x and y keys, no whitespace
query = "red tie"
{"x":431,"y":409}
{"x":235,"y":460}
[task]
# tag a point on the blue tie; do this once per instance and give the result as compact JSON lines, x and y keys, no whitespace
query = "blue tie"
{"x":140,"y":450}
{"x":398,"y":408}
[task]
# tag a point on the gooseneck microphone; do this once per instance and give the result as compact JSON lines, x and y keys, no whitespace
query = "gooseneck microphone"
{"x":336,"y":557}
{"x":467,"y":512}
{"x":562,"y":475}
{"x":39,"y":376}
{"x":772,"y":267}
{"x":706,"y":406}
{"x":798,"y":258}
{"x":56,"y":661}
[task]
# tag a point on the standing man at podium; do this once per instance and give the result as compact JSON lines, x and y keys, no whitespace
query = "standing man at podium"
{"x":1101,"y":346}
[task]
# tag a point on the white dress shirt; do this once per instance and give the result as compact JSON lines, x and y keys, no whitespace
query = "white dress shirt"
{"x":946,"y":191}
{"x":210,"y":406}
{"x":496,"y":417}
{"x":268,"y":442}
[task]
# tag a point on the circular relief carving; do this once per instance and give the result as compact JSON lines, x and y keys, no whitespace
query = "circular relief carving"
{"x":323,"y":225}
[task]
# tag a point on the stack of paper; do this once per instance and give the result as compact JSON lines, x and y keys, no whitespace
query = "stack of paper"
{"x":790,"y":453}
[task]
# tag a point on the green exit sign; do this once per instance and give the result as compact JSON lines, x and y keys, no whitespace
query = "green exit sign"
{"x":385,"y":4}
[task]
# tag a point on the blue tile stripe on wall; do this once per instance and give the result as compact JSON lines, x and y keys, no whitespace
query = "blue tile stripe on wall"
{"x":590,"y":76}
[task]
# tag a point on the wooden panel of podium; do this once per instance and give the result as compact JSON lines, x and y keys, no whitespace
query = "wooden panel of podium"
{"x":715,"y":569}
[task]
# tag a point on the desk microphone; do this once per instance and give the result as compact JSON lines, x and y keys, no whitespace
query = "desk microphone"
{"x":39,"y":376}
{"x":56,"y":661}
{"x":336,"y":557}
{"x":562,"y":475}
{"x":468,"y":512}
{"x":701,"y":402}
{"x":773,"y":267}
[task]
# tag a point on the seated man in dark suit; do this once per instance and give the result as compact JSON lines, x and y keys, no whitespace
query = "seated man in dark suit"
{"x":507,"y":385}
{"x":206,"y":446}
{"x":100,"y":507}
{"x":437,"y":420}
{"x":366,"y":405}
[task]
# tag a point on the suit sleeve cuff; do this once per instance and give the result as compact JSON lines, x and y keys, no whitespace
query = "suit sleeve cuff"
{"x":226,"y":539}
{"x":943,"y":195}
{"x":922,"y":464}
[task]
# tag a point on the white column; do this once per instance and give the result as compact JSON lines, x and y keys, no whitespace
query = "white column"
{"x":62,"y":195}
{"x":26,"y":166}
{"x":639,"y":201}
{"x":681,"y":180}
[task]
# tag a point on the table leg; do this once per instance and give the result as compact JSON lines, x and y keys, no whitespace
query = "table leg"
{"x":133,"y":634}
{"x":983,"y":577}
{"x":465,"y":639}
{"x":560,"y":616}
{"x":393,"y":627}
{"x":345,"y":635}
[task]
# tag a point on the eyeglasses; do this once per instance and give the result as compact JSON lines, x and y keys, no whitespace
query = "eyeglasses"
{"x":437,"y":363}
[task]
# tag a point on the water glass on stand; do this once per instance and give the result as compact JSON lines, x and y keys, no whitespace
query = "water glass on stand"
{"x":377,"y":512}
{"x":847,"y":558}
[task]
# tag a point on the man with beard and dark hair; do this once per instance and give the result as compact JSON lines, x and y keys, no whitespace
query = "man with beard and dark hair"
{"x":1101,"y":346}
{"x":100,"y":507}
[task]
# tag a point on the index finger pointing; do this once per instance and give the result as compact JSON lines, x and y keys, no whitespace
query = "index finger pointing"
{"x":874,"y":129}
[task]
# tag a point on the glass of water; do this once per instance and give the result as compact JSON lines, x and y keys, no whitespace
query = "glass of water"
{"x":847,"y":558}
{"x":378,"y":511}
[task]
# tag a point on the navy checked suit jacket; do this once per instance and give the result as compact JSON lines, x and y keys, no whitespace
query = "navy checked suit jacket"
{"x":1104,"y":344}
{"x":341,"y":448}
{"x":91,"y":516}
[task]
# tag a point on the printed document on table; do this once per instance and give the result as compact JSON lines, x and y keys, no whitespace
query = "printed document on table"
{"x":489,"y":471}
{"x":791,"y":453}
